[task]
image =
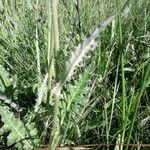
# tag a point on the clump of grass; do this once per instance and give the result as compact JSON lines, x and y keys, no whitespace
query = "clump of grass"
{"x":77,"y":88}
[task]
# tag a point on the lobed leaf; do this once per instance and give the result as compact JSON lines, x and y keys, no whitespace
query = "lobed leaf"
{"x":25,"y":136}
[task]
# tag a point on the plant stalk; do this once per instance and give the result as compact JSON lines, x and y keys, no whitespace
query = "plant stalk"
{"x":55,"y":126}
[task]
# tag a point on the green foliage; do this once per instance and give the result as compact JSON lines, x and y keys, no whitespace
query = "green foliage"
{"x":5,"y":80}
{"x":24,"y":135}
{"x":92,"y":100}
{"x":76,"y":106}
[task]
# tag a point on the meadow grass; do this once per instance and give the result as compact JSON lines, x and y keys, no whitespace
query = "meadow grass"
{"x":80,"y":74}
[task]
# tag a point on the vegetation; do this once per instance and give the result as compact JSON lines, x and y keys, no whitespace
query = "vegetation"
{"x":74,"y":72}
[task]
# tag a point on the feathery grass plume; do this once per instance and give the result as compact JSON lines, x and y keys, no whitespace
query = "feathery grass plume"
{"x":88,"y":44}
{"x":77,"y":56}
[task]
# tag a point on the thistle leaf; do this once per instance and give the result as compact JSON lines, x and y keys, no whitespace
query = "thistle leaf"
{"x":76,"y":100}
{"x":25,"y":136}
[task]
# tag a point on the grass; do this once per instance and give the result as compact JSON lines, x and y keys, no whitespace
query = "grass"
{"x":74,"y":85}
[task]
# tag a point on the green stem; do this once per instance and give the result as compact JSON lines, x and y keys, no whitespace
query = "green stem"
{"x":55,"y":126}
{"x":114,"y":95}
{"x":128,"y":113}
{"x":50,"y":47}
{"x":37,"y":47}
{"x":122,"y":69}
{"x":142,"y":89}
{"x":106,"y":120}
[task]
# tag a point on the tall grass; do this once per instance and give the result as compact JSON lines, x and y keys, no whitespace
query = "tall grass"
{"x":121,"y":55}
{"x":79,"y":72}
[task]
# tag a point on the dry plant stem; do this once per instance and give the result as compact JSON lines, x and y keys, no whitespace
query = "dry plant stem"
{"x":55,"y":126}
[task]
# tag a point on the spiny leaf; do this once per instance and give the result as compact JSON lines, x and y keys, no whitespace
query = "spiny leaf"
{"x":76,"y":100}
{"x":25,"y":136}
{"x":76,"y":104}
{"x":80,"y":87}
